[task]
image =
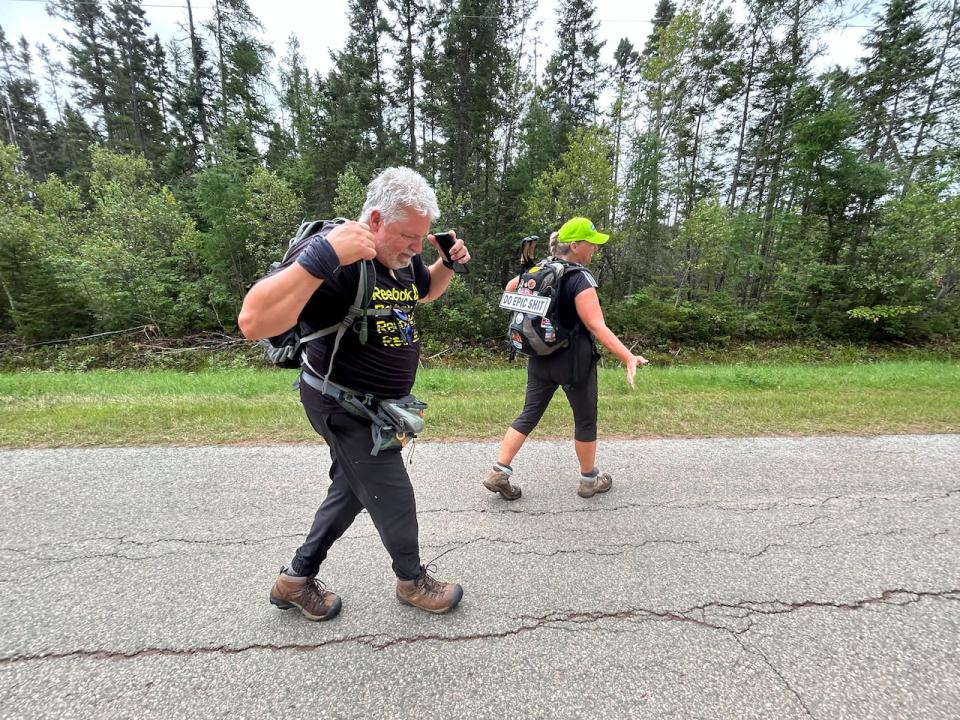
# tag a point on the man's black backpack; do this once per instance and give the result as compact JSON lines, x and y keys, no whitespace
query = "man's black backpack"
{"x":532,"y":334}
{"x":285,"y":350}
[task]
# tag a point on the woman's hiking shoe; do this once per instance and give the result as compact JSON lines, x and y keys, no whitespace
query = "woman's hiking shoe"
{"x":428,"y":593}
{"x":600,"y":484}
{"x":307,"y":593}
{"x":499,"y":482}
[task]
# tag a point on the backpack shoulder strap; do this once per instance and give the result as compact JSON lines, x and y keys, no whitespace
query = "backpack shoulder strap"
{"x":568,"y":267}
{"x":307,"y":230}
{"x":359,"y":310}
{"x":585,"y":270}
{"x":352,"y":313}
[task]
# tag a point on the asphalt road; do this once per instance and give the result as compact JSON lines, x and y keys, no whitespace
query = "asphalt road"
{"x":757,"y":578}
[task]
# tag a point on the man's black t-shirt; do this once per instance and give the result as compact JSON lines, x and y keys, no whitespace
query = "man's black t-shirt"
{"x":386,"y":366}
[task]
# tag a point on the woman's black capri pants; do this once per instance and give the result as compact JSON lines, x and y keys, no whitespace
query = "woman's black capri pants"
{"x":544,"y":376}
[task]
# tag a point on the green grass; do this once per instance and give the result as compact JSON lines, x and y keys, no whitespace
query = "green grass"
{"x":46,"y":409}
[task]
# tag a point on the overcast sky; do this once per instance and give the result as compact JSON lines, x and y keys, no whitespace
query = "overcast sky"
{"x":321,"y":25}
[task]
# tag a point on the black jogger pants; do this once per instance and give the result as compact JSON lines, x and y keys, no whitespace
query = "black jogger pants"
{"x":358,"y":480}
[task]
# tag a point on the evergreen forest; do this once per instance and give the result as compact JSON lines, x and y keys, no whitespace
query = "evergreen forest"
{"x":753,"y":192}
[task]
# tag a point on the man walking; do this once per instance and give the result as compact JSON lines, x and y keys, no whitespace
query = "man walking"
{"x":316,"y":286}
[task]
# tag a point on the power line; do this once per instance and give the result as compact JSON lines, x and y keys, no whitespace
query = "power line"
{"x":607,"y":20}
{"x":149,"y":5}
{"x":473,"y":17}
{"x":497,"y":17}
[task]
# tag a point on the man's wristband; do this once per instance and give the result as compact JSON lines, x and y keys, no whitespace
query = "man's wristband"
{"x":319,"y":258}
{"x":446,"y":263}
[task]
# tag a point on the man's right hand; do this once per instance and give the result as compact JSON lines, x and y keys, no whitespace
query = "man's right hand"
{"x":352,"y":241}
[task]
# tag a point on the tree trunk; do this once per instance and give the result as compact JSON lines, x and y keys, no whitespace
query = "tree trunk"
{"x":732,"y":198}
{"x":378,"y":80}
{"x":223,"y":72}
{"x":691,"y":187}
{"x":931,"y":95}
{"x":195,"y":51}
{"x":511,"y":127}
{"x":411,"y":87}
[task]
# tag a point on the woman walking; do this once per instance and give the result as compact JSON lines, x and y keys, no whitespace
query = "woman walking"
{"x":573,"y":368}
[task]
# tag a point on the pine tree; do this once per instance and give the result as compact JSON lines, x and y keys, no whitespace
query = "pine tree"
{"x":243,"y":64}
{"x":574,"y":72}
{"x":521,"y":89}
{"x":404,"y":33}
{"x":939,"y":123}
{"x":295,"y":93}
{"x":746,"y":74}
{"x":891,"y":90}
{"x":25,"y":121}
{"x":72,"y":141}
{"x":784,"y":69}
{"x":662,"y":16}
{"x":135,"y":82}
{"x":626,"y":66}
{"x":652,"y":179}
{"x":53,"y":71}
{"x":536,"y":154}
{"x":710,"y":87}
{"x":186,"y":129}
{"x":356,"y":123}
{"x":481,"y":54}
{"x":89,"y":56}
{"x":432,"y":70}
{"x":198,"y":97}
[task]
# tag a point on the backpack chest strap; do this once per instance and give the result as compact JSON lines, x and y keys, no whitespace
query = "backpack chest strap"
{"x":347,"y":321}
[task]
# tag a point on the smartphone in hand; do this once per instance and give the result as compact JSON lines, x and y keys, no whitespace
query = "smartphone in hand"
{"x":445,"y":241}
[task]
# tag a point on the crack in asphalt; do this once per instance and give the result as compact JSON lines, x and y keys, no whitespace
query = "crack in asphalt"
{"x":595,"y":550}
{"x":812,"y":521}
{"x":460,"y":544}
{"x":780,"y":607}
{"x":598,"y":550}
{"x":624,"y":547}
{"x":800,"y":501}
{"x":776,"y":671}
{"x":124,"y":540}
{"x":29,"y":553}
{"x":527,"y":623}
{"x":803,"y":501}
{"x":116,"y":555}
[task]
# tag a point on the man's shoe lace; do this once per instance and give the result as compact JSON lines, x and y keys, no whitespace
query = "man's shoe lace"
{"x":427,"y":583}
{"x":316,"y":587}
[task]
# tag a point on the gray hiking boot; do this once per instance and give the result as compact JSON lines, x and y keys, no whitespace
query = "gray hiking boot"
{"x":499,"y":482}
{"x":600,"y":484}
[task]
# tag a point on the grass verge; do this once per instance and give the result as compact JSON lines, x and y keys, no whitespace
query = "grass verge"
{"x":115,"y":408}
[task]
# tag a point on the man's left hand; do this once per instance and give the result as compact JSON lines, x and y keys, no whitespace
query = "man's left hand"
{"x":458,"y":252}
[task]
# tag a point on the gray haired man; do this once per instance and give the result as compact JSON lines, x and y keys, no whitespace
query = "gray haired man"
{"x":316,"y":286}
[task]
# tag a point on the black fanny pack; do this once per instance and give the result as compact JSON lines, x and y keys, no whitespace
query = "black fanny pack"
{"x":393,"y":423}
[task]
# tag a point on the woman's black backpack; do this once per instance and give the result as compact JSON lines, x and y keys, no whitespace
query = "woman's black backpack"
{"x":533,"y":334}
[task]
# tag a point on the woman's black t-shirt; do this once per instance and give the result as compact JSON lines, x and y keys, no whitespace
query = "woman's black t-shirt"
{"x":580,"y":355}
